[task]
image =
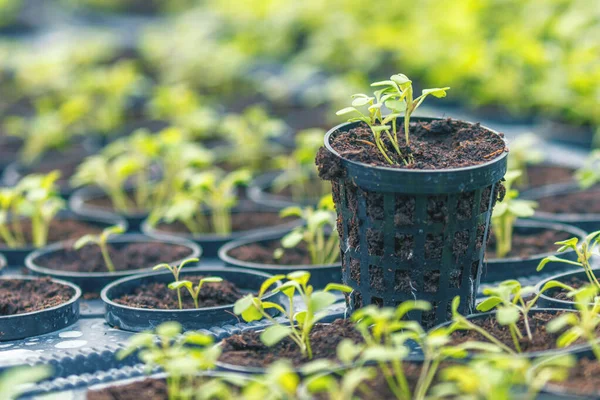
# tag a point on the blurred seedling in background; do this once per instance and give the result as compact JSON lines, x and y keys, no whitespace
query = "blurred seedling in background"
{"x":101,"y":241}
{"x":253,"y":308}
{"x":35,"y":199}
{"x":506,"y":213}
{"x":318,"y":231}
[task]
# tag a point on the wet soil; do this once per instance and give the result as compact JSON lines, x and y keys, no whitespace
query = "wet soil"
{"x":240,"y":222}
{"x":584,"y":379}
{"x":262,"y":253}
{"x":159,"y":296}
{"x":60,"y":229}
{"x":130,"y":256}
{"x":531,"y":244}
{"x":584,"y":202}
{"x":18,"y":296}
{"x":247,"y":349}
{"x":438,"y":144}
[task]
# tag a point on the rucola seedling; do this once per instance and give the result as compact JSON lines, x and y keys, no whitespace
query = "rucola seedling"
{"x":102,"y":241}
{"x":194,"y":291}
{"x":253,"y":308}
{"x":176,"y":270}
{"x":397,"y":96}
{"x":318,"y":224}
{"x":506,"y":213}
{"x":584,"y":251}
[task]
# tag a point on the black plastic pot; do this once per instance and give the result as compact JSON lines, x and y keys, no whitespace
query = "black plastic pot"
{"x":500,"y":269}
{"x":16,"y":256}
{"x":418,"y":209}
{"x":260,"y":192}
{"x":320,"y":275}
{"x":211,"y":243}
{"x":546,"y":300}
{"x":141,"y":319}
{"x":587,"y":222}
{"x":79,"y":204}
{"x":20,"y":326}
{"x":532,"y":354}
{"x":95,"y":281}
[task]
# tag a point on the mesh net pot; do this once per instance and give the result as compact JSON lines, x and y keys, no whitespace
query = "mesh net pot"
{"x":412,"y":234}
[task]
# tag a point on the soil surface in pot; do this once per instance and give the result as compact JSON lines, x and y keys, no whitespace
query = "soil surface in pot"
{"x":159,"y":296}
{"x":437,"y":144}
{"x":67,"y":170}
{"x":155,"y":389}
{"x":105,"y":203}
{"x":247,"y":349}
{"x":19,"y":296}
{"x":240,"y":222}
{"x":584,"y":202}
{"x":584,"y":378}
{"x":125,"y":257}
{"x":542,"y":339}
{"x":262,"y":253}
{"x":540,"y":175}
{"x":60,"y":229}
{"x":531,"y":244}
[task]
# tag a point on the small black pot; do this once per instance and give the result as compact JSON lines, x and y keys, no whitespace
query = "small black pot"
{"x":320,"y":275}
{"x":95,"y":281}
{"x":80,"y":197}
{"x":16,"y":257}
{"x":384,"y":271}
{"x":260,"y":192}
{"x":549,"y":301}
{"x":587,"y":222}
{"x":211,"y":243}
{"x":21,"y":326}
{"x":500,"y":269}
{"x":141,"y":319}
{"x":533,"y":354}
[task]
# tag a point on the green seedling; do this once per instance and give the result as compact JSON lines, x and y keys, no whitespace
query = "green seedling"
{"x":506,"y":213}
{"x":584,"y":251}
{"x":194,"y":291}
{"x":102,"y":241}
{"x":253,"y":308}
{"x":14,"y":382}
{"x":508,"y":299}
{"x":589,"y":175}
{"x":299,"y":169}
{"x":214,"y":190}
{"x":181,"y":356}
{"x":34,"y":198}
{"x":176,"y":271}
{"x":581,"y":324}
{"x":250,"y":139}
{"x":524,"y":151}
{"x":319,"y":232}
{"x":397,"y":96}
{"x":343,"y":387}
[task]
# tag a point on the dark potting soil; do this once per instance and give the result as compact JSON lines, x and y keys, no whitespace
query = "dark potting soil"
{"x":542,"y":339}
{"x":262,"y":253}
{"x":60,"y":229}
{"x":155,"y":389}
{"x":540,"y":175}
{"x":130,"y":256}
{"x":437,"y":144}
{"x":246,"y":349}
{"x":584,"y":379}
{"x":531,"y":244}
{"x":584,"y":202}
{"x":240,"y":222}
{"x":18,"y":296}
{"x":159,"y":296}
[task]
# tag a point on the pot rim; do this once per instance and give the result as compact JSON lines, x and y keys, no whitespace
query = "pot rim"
{"x":109,"y":302}
{"x":337,"y":128}
{"x":124,"y":238}
{"x":76,"y":296}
